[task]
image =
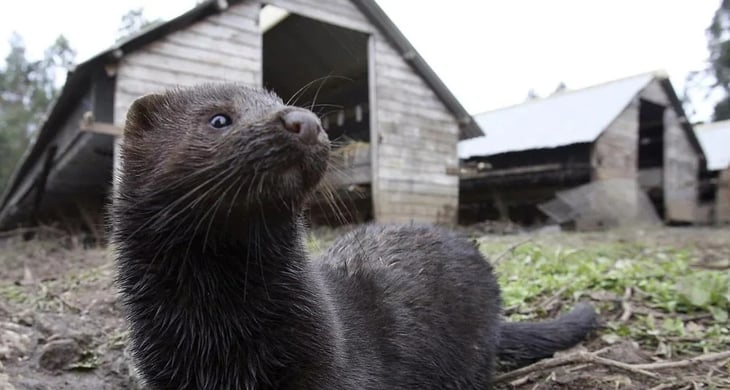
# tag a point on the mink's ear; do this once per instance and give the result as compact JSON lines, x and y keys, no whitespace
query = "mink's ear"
{"x":141,"y":114}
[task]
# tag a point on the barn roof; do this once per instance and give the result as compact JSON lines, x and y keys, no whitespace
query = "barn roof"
{"x":715,"y":141}
{"x":83,"y":73}
{"x":564,"y":118}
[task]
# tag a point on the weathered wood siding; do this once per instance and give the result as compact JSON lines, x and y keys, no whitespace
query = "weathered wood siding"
{"x":722,"y":199}
{"x":222,"y":47}
{"x":654,"y":92}
{"x":414,"y":144}
{"x":681,"y":170}
{"x":616,"y":152}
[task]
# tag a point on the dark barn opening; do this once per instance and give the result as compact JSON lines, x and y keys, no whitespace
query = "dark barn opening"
{"x":324,"y":67}
{"x":651,"y":135}
{"x":651,"y":148}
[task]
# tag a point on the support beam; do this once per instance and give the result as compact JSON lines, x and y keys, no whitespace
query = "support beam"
{"x":88,"y":124}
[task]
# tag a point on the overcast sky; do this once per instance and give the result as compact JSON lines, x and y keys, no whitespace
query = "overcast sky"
{"x":488,"y":52}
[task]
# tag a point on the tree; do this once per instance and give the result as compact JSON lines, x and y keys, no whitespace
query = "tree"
{"x":133,"y":22}
{"x":718,"y":40}
{"x":28,"y":88}
{"x":560,"y":88}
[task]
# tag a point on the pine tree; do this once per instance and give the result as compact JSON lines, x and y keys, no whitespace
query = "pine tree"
{"x":27,"y":90}
{"x":133,"y":22}
{"x":718,"y":37}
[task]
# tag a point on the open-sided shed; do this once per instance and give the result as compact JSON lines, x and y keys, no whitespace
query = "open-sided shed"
{"x":715,"y":183}
{"x":384,"y":95}
{"x":633,"y":128}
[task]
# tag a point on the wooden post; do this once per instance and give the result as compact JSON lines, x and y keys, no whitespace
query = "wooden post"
{"x":374,"y":133}
{"x":88,"y":124}
{"x":722,"y":199}
{"x":116,"y":165}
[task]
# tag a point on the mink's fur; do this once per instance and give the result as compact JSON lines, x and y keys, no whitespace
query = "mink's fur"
{"x":221,"y":293}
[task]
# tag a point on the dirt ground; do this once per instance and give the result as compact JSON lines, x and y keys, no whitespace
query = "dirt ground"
{"x":61,"y":326}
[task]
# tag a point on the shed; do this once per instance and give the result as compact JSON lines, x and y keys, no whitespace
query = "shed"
{"x":715,"y":180}
{"x":348,"y":52}
{"x":633,"y":128}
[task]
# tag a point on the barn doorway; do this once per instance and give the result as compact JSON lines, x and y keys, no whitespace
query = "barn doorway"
{"x":651,"y":152}
{"x":317,"y":65}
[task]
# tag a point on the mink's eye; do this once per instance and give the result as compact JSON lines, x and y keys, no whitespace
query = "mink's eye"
{"x":220,"y":121}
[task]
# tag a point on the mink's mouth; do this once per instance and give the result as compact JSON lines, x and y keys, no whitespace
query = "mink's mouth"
{"x":302,"y":174}
{"x":301,"y":166}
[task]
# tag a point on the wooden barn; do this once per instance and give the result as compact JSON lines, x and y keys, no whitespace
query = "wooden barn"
{"x":715,"y":180}
{"x":633,"y":128}
{"x":371,"y":87}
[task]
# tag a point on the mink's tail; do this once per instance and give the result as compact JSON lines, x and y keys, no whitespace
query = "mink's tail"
{"x":523,"y":343}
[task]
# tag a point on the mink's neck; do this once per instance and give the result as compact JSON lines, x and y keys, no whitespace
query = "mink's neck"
{"x":232,"y":300}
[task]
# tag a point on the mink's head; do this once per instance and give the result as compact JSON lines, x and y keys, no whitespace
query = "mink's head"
{"x":220,"y":147}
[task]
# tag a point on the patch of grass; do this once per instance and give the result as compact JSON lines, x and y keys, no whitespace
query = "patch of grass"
{"x":117,"y":339}
{"x":90,"y":360}
{"x":14,"y":294}
{"x":679,"y":308}
{"x":51,"y":295}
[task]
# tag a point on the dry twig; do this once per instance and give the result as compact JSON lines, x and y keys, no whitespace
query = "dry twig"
{"x":40,"y":228}
{"x":664,"y":386}
{"x":511,"y":248}
{"x":577,"y":357}
{"x":593,"y":358}
{"x":706,"y":358}
{"x":626,"y":306}
{"x":554,"y":299}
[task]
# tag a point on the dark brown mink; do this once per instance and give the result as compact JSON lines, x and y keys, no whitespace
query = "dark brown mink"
{"x":220,"y":292}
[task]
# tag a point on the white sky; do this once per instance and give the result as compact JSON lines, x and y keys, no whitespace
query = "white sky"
{"x":489,"y":53}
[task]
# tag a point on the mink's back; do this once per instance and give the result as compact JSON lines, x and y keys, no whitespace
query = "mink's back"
{"x":417,"y":304}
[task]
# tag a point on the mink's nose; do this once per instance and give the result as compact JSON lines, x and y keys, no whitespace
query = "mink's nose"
{"x":304,"y":124}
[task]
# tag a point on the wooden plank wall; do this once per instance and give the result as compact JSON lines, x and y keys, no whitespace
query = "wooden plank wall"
{"x":722,"y":199}
{"x":415,"y":145}
{"x":222,"y":47}
{"x":681,"y":171}
{"x":615,"y":155}
{"x":616,"y":152}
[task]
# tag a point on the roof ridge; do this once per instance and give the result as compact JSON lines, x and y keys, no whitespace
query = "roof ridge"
{"x":659,"y":73}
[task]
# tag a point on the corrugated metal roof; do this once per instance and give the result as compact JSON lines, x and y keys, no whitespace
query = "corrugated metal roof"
{"x":562,"y":119}
{"x":715,"y":141}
